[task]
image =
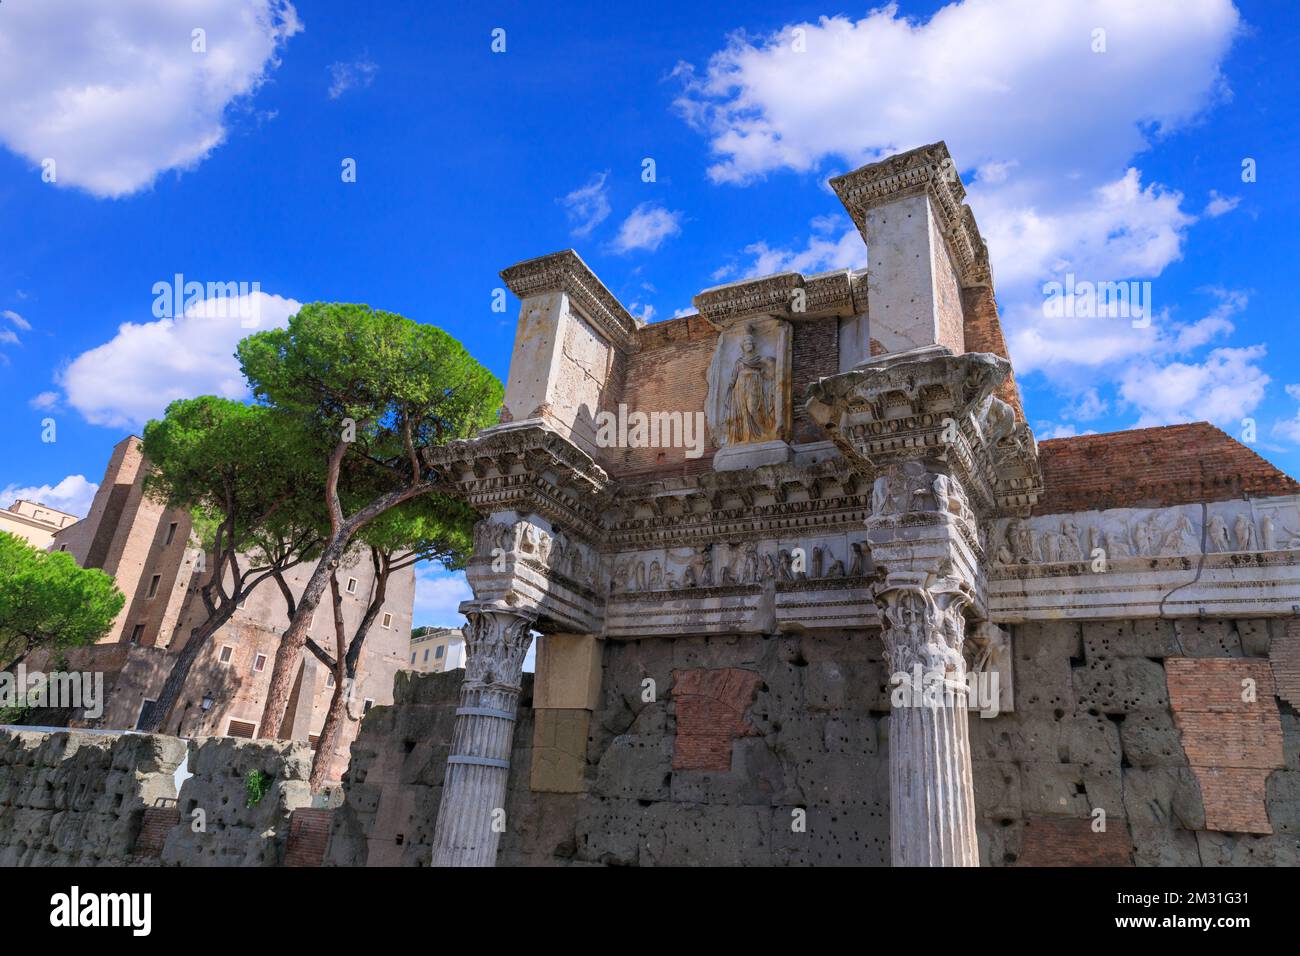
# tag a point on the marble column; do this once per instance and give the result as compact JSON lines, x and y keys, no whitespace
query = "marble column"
{"x":932,"y":794}
{"x":472,"y":813}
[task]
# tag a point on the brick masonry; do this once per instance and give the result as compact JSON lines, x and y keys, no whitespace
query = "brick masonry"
{"x":1284,"y":658}
{"x":309,"y":830}
{"x":1153,"y":467}
{"x":1232,"y":744}
{"x":158,"y":822}
{"x":711,"y":708}
{"x":1068,"y":841}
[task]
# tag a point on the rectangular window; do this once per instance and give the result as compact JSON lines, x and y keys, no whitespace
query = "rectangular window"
{"x":313,"y":740}
{"x":388,"y":620}
{"x":259,"y":663}
{"x":412,"y":657}
{"x":365,"y":708}
{"x":171,"y":533}
{"x":137,"y":632}
{"x":352,"y":585}
{"x":226,"y":651}
{"x":426,"y":655}
{"x":63,"y":547}
{"x":329,"y":680}
{"x":438,"y":654}
{"x":153,"y":585}
{"x":241,"y":728}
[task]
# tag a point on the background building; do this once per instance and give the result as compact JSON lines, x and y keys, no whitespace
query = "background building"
{"x":436,"y":649}
{"x":147,"y":549}
{"x":34,"y":521}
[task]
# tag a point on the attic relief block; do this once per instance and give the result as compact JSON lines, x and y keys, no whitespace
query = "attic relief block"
{"x":1116,"y":534}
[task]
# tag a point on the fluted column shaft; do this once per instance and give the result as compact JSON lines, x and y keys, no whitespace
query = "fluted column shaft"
{"x":932,"y":796}
{"x":472,"y":813}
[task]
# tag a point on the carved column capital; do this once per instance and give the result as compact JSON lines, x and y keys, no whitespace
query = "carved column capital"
{"x":496,"y":642}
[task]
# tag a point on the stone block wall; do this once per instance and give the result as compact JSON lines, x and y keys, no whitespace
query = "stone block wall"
{"x":1145,"y":721}
{"x":83,"y":799}
{"x":748,"y":750}
{"x":77,"y":799}
{"x":233,"y":833}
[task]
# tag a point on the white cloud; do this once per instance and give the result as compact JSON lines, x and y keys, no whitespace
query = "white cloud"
{"x":647,"y":227}
{"x":73,"y":494}
{"x":44,"y":401}
{"x":115,"y":94}
{"x":646,"y":313}
{"x":1218,"y":205}
{"x":821,"y":253}
{"x":1290,"y":428}
{"x":587,"y":206}
{"x":438,"y":594}
{"x":17,"y":320}
{"x":132,"y":377}
{"x":349,"y":75}
{"x":1087,"y":406}
{"x":1223,"y":389}
{"x":1045,"y":130}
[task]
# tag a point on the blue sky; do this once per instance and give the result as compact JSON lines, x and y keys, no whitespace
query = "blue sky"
{"x":224,"y":165}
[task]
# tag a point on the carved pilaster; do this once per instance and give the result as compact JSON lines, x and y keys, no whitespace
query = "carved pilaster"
{"x":474,"y":790}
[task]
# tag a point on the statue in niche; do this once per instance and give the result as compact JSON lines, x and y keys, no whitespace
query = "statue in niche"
{"x":857,"y":565}
{"x":749,"y":408}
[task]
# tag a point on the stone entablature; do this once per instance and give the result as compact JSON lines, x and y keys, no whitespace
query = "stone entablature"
{"x":790,"y":295}
{"x":566,"y":272}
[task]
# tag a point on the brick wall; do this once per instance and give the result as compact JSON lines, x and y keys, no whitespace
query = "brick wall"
{"x":158,"y":822}
{"x":983,"y":333}
{"x":1231,"y":734}
{"x":1153,"y":467}
{"x":309,"y":830}
{"x":711,"y":713}
{"x":816,"y":354}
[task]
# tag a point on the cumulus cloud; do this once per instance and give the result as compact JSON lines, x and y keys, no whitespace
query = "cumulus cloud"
{"x":438,"y":594}
{"x":116,"y":94}
{"x":1219,"y":205}
{"x":133,"y":376}
{"x":352,"y":74}
{"x":1290,"y":428}
{"x":648,"y":225}
{"x":1224,"y":388}
{"x":73,"y":494}
{"x":45,"y":401}
{"x":1048,"y":134}
{"x":587,"y":206}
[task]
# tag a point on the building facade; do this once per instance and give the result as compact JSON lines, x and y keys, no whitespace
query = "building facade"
{"x":148,"y":550}
{"x":436,"y":649}
{"x":35,"y":522}
{"x":869,"y":619}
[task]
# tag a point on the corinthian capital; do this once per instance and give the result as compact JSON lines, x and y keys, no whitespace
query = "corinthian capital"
{"x":496,"y":643}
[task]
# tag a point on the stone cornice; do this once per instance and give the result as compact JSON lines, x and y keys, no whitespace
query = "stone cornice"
{"x":764,"y":502}
{"x":788,"y":295}
{"x":523,"y":467}
{"x":566,"y":272}
{"x":930,"y":404}
{"x":925,"y":170}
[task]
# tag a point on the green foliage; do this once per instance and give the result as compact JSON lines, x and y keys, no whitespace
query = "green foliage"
{"x":47,"y":601}
{"x":255,"y":786}
{"x":249,"y":478}
{"x":430,"y":527}
{"x":402,"y":384}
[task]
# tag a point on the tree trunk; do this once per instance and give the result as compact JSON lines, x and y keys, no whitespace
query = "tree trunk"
{"x":329,"y":735}
{"x":292,"y":641}
{"x":180,"y":672}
